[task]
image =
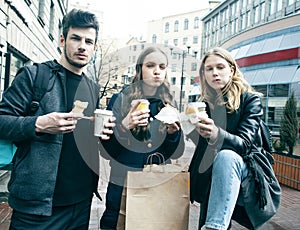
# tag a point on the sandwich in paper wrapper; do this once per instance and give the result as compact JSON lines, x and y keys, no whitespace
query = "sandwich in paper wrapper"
{"x":194,"y":110}
{"x":191,"y":116}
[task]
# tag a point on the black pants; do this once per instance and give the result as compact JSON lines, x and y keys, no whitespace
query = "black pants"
{"x":110,"y":216}
{"x":75,"y":216}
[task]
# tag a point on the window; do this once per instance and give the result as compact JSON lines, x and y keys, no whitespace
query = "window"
{"x":173,"y":80}
{"x":41,"y":13}
{"x":271,"y":114}
{"x":134,"y":48}
{"x":186,"y":24}
{"x":142,"y":46}
{"x":154,"y":38}
{"x":280,"y":90}
{"x":167,"y":27}
{"x":51,"y":22}
{"x":196,"y":23}
{"x":271,"y":7}
{"x":262,"y":89}
{"x":194,"y":66}
{"x":175,"y":41}
{"x":256,"y":14}
{"x":262,"y":11}
{"x":184,"y":40}
{"x":290,"y":2}
{"x":195,"y":40}
{"x":176,"y":24}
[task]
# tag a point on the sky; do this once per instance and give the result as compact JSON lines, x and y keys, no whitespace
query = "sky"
{"x":129,"y":18}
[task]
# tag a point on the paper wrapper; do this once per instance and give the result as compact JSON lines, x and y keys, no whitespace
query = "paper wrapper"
{"x":168,"y":115}
{"x":186,"y":126}
{"x":79,"y":106}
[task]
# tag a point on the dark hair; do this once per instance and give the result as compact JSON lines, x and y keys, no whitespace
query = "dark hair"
{"x":81,"y":19}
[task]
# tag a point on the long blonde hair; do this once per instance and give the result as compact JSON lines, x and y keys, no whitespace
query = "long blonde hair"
{"x":236,"y":86}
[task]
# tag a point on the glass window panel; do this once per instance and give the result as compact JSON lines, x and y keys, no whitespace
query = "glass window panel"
{"x":295,"y":87}
{"x":261,"y":88}
{"x":279,"y":90}
{"x":186,"y":24}
{"x":176,"y":26}
{"x":167,"y":27}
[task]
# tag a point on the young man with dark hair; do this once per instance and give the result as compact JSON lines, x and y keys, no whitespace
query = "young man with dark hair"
{"x":55,"y":168}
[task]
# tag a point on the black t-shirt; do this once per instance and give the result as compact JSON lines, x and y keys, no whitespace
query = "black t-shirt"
{"x":75,"y":179}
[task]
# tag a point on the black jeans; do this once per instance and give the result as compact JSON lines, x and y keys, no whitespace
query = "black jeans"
{"x":110,"y":216}
{"x":75,"y":216}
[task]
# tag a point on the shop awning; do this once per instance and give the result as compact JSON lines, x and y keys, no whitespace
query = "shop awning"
{"x":276,"y":75}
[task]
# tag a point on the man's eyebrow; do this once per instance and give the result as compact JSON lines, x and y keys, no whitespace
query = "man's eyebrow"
{"x":74,"y":35}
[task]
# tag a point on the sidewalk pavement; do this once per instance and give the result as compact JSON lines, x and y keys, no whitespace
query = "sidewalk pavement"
{"x":287,"y":217}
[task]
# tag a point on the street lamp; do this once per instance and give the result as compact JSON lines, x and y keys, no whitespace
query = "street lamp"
{"x":183,"y":55}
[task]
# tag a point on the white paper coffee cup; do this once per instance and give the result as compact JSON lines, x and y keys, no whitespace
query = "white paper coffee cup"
{"x":101,"y":117}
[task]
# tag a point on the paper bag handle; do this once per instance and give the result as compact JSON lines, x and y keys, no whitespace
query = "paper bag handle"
{"x":158,"y":155}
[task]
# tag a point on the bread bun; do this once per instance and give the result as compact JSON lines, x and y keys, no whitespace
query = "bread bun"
{"x":190,"y":110}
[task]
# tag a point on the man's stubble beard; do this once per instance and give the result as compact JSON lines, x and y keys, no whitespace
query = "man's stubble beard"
{"x":73,"y":63}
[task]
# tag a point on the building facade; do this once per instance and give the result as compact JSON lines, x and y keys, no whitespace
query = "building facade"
{"x":264,"y":38}
{"x":29,"y":32}
{"x":181,"y":36}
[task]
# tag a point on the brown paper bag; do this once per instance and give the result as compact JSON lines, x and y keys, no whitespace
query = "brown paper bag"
{"x":156,"y":198}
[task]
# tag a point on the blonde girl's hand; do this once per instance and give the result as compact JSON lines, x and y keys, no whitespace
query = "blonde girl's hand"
{"x":136,"y":117}
{"x":207,"y":128}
